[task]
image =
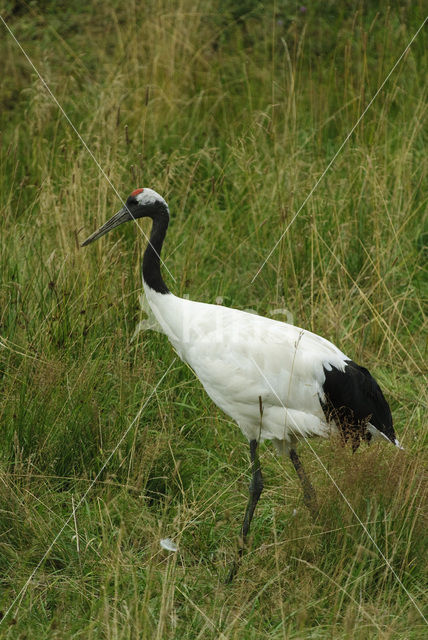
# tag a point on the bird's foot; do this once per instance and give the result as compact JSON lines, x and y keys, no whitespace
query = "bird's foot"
{"x":311,"y":502}
{"x":235,"y":566}
{"x":232,"y":573}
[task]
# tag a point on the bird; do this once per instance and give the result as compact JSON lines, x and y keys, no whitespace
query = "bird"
{"x":278,"y":382}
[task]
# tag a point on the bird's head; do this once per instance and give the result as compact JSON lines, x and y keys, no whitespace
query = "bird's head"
{"x":141,"y":203}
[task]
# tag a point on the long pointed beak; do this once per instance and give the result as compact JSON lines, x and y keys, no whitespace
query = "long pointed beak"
{"x":119,"y":218}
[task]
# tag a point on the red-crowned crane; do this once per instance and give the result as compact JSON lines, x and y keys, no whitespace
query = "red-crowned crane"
{"x":277,"y":381}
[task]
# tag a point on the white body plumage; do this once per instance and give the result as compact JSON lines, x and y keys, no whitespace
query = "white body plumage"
{"x":240,"y":357}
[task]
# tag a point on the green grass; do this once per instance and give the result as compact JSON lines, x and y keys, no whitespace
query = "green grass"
{"x":232,"y":115}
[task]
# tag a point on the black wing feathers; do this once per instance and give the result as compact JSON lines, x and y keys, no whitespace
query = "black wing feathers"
{"x":352,"y":399}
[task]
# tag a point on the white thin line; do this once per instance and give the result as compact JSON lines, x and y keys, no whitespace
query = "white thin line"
{"x":339,"y":150}
{"x":343,"y":496}
{"x":82,"y":141}
{"x":70,"y":517}
{"x":339,"y":586}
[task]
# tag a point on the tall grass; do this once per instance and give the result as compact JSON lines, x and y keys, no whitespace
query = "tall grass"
{"x":232,"y":114}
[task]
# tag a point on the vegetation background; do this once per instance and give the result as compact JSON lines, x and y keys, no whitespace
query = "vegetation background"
{"x":232,"y":110}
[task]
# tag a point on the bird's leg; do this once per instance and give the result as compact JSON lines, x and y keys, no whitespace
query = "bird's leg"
{"x":256,"y":487}
{"x":309,"y":495}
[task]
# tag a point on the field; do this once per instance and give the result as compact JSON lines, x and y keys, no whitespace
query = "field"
{"x":233,"y":112}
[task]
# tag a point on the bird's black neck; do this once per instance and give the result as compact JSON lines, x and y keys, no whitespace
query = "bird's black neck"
{"x":151,"y":262}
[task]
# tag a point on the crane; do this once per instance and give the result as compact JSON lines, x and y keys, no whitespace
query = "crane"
{"x":278,"y":382}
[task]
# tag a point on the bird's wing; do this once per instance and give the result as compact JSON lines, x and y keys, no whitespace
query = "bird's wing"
{"x":240,"y":357}
{"x":245,"y":356}
{"x":352,"y":398}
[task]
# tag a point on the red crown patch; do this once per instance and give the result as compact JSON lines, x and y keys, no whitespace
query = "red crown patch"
{"x":136,"y":192}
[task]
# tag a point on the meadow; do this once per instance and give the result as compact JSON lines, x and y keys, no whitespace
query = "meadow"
{"x":109,"y":443}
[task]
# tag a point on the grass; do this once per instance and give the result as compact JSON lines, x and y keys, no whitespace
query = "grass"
{"x":232,"y":115}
